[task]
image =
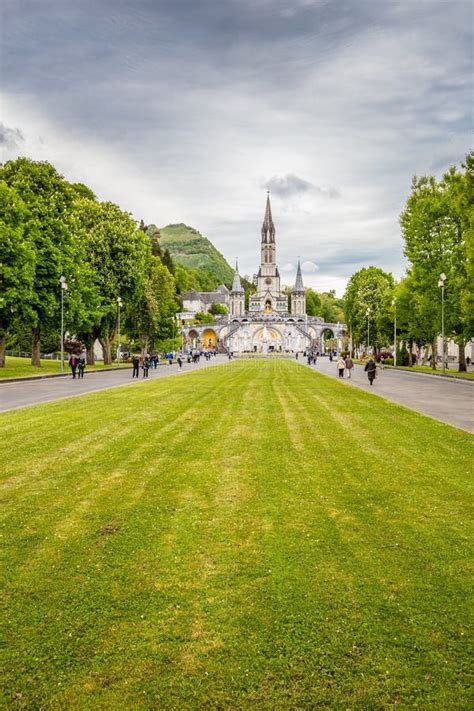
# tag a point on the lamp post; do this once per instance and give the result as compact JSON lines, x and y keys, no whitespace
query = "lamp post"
{"x":119,"y":304}
{"x":442,"y":279}
{"x":62,"y":281}
{"x":368,"y":329}
{"x":394,"y":304}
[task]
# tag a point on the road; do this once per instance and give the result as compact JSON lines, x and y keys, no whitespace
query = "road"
{"x":445,"y":399}
{"x":33,"y":392}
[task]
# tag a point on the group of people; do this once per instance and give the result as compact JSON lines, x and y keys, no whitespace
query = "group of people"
{"x":144,"y":363}
{"x":77,"y":365}
{"x":345,"y":364}
{"x":348,"y":364}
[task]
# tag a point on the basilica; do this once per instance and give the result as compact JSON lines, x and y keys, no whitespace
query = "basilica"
{"x":274,"y":321}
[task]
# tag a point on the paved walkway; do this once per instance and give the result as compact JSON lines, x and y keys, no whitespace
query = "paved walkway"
{"x":33,"y":392}
{"x":448,"y":400}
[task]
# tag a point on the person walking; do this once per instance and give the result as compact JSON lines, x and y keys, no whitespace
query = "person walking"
{"x":341,"y":364}
{"x":179,"y":361}
{"x":146,"y":366}
{"x":349,"y":365}
{"x":81,"y":364}
{"x":73,"y":364}
{"x":371,"y":370}
{"x":136,"y":365}
{"x":382,"y":362}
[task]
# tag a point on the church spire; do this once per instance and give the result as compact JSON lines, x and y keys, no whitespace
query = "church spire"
{"x":268,"y":228}
{"x":298,"y":287}
{"x":236,"y":285}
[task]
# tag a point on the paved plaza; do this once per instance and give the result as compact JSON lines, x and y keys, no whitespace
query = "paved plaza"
{"x":445,"y":399}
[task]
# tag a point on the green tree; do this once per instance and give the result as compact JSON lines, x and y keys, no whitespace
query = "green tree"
{"x":332,"y":308}
{"x":167,"y":261}
{"x":49,"y":230}
{"x":17,"y":264}
{"x":218,"y":310}
{"x":118,"y":253}
{"x":313,"y":303}
{"x":150,"y":315}
{"x":368,"y":289}
{"x":437,"y":229}
{"x":203,"y":317}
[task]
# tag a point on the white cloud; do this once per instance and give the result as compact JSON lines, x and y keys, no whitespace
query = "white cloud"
{"x":183,"y":112}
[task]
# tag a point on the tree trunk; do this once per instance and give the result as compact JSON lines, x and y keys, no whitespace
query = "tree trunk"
{"x":462,"y":357}
{"x":36,"y":348}
{"x":3,"y":345}
{"x":143,"y":344}
{"x":410,"y":353}
{"x":90,"y":353}
{"x":434,"y":352}
{"x":106,"y":349}
{"x":425,"y":354}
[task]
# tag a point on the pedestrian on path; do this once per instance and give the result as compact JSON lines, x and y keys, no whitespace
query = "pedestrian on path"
{"x":179,"y":361}
{"x":382,"y":362}
{"x":135,"y":364}
{"x":371,"y":370}
{"x":349,"y":365}
{"x":341,"y":364}
{"x":73,"y":365}
{"x":146,"y":366}
{"x":81,"y":364}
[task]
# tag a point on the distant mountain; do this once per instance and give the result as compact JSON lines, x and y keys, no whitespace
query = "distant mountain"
{"x":189,"y":248}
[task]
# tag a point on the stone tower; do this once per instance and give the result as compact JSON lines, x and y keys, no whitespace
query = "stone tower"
{"x":298,"y":298}
{"x":268,"y":297}
{"x":237,"y":295}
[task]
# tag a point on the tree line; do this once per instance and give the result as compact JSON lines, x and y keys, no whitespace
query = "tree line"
{"x":51,"y":228}
{"x":437,"y":226}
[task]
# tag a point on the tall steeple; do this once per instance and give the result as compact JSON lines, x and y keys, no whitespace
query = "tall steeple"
{"x":236,"y":285}
{"x":268,"y":228}
{"x":298,"y":287}
{"x":298,"y":297}
{"x":237,"y":295}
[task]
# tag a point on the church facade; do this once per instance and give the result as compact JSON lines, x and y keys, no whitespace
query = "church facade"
{"x":274,"y":321}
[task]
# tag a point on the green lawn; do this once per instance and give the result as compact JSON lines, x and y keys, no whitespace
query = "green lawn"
{"x":22,"y":368}
{"x":252,"y":536}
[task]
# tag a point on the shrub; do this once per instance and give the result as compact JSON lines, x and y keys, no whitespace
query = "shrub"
{"x":385,"y":354}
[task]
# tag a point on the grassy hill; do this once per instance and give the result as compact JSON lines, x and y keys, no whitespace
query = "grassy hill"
{"x":189,"y":248}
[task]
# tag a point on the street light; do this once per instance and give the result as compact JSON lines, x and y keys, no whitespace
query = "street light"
{"x":119,"y":304}
{"x":442,"y":279}
{"x":394,"y":304}
{"x":368,"y":328}
{"x":62,"y":281}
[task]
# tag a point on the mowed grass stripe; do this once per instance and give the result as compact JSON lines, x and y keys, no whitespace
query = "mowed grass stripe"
{"x":254,"y":535}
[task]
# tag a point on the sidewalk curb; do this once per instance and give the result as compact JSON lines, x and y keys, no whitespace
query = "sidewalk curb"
{"x":470,"y":381}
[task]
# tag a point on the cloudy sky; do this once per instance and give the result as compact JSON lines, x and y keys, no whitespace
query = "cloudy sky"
{"x":187,"y":110}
